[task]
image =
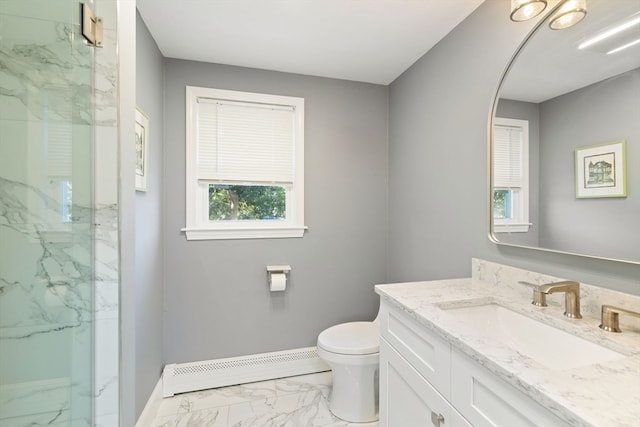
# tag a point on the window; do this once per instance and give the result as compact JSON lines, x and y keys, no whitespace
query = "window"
{"x":58,"y":146}
{"x":510,"y":175}
{"x":245,"y":165}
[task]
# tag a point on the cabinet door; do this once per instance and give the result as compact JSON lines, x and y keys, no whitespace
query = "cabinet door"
{"x":488,"y":401}
{"x":426,"y":352}
{"x":407,"y":399}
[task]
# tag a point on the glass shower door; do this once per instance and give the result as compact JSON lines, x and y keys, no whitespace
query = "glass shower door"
{"x":46,"y":259}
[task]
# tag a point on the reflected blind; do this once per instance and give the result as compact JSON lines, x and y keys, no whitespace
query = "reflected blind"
{"x":507,"y":156}
{"x":245,"y":142}
{"x":59,"y":132}
{"x":59,"y":150}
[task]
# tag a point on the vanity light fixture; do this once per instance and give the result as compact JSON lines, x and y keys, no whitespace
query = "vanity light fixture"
{"x":569,"y":14}
{"x":629,"y":23}
{"x":522,"y":10}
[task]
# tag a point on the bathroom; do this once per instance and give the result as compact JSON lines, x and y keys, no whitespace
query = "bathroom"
{"x":183,"y":301}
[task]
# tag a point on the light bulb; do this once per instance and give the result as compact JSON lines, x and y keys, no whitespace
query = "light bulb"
{"x":522,"y":10}
{"x":569,"y":14}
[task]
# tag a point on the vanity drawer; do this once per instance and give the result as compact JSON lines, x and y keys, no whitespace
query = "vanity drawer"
{"x":429,"y":354}
{"x":488,"y":401}
{"x":407,"y":399}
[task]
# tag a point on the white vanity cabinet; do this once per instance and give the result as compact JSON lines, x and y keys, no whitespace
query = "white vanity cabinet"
{"x":487,"y":401}
{"x":407,"y":399}
{"x":415,"y":375}
{"x":425,"y":382}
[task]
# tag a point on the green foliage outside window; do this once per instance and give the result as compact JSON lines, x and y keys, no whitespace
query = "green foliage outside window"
{"x":499,"y":204}
{"x":246,"y":202}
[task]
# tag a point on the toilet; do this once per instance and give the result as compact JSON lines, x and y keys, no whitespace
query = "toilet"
{"x":352,"y":350}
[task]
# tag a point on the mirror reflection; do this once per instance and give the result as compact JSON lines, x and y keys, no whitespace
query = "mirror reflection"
{"x":566,"y":92}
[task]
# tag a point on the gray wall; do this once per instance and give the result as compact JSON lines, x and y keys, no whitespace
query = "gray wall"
{"x":604,"y":112}
{"x":215,"y":296}
{"x":438,"y":168}
{"x":217,"y":302}
{"x":530,"y":112}
{"x":149,"y":231}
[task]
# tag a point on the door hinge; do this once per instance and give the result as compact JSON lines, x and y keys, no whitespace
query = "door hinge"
{"x":91,"y":26}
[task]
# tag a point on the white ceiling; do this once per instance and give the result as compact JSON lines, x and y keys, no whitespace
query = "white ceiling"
{"x":363,"y":40}
{"x":551,"y":64}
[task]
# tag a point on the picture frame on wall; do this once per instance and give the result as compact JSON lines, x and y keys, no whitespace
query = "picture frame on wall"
{"x":142,"y":150}
{"x":601,"y":170}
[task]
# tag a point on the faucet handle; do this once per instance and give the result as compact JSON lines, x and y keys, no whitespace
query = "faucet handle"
{"x":539,"y":298}
{"x":610,"y":317}
{"x":523,"y":282}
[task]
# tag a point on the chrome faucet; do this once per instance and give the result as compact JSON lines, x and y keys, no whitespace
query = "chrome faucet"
{"x":571,"y":291}
{"x":610,"y":314}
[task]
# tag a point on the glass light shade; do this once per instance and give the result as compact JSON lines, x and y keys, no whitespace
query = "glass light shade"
{"x":569,"y":14}
{"x":521,"y":10}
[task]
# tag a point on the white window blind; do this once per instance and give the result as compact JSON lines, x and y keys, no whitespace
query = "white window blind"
{"x":243,"y":142}
{"x":58,"y":133}
{"x":59,"y":149}
{"x":508,"y":157}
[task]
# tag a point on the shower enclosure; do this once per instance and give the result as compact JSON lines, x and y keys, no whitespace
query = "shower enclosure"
{"x":54,"y":104}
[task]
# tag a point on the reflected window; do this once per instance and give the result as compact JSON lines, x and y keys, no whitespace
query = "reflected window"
{"x":65,"y":200}
{"x":57,"y":140}
{"x":511,"y":175}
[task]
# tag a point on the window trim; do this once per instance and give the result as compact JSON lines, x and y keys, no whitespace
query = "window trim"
{"x":521,"y":223}
{"x":198,"y":227}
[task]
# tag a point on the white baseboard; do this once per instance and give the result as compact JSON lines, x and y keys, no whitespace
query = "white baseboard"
{"x":186,"y":377}
{"x":182,"y":378}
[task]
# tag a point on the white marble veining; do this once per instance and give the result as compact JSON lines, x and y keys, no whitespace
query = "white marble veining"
{"x":50,"y":290}
{"x":106,"y":239}
{"x":58,"y":276}
{"x":289,"y":402}
{"x":46,"y":308}
{"x":600,"y":395}
{"x":106,"y":313}
{"x":105,"y":85}
{"x":591,"y":297}
{"x":60,"y":85}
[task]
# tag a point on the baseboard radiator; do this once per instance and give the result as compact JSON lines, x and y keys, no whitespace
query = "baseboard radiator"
{"x":186,"y":377}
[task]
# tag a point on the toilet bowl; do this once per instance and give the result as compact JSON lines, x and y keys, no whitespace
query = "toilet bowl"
{"x":352,"y":350}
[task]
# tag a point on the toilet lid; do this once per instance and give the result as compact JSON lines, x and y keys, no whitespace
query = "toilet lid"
{"x":351,"y":338}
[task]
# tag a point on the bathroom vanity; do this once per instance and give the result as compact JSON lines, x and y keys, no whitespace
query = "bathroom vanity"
{"x":476,"y":352}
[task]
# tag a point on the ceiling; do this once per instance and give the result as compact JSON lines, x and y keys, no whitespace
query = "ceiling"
{"x":370,"y":41}
{"x":550,"y":64}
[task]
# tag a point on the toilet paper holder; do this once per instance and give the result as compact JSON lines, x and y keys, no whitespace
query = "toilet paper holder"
{"x":277,"y":269}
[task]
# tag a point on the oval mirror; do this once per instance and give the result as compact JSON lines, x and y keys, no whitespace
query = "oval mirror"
{"x":565,"y":138}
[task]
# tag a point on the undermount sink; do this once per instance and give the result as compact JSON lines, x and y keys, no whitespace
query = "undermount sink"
{"x":548,"y":346}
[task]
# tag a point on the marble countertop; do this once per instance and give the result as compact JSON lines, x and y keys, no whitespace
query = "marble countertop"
{"x":600,"y":395}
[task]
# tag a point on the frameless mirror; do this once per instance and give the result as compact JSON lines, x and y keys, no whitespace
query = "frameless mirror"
{"x":565,"y":138}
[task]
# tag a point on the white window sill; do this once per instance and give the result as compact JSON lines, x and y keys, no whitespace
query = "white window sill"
{"x":283,"y":232}
{"x":511,"y":228}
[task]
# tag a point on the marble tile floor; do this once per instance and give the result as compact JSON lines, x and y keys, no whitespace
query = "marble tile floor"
{"x":288,"y":402}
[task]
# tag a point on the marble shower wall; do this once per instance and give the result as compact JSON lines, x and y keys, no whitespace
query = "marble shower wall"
{"x":58,"y":218}
{"x":105,"y":164}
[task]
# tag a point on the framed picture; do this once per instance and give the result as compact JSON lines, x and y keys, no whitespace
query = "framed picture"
{"x":601,"y":170}
{"x":142,"y":150}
